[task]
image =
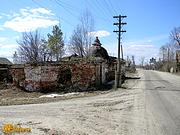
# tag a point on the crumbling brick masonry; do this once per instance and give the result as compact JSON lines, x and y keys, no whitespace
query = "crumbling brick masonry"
{"x":45,"y":76}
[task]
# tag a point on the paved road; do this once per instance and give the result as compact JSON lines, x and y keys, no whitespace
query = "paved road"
{"x":149,"y":106}
{"x":162,"y":94}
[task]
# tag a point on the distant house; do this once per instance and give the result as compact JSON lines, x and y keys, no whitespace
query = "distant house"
{"x":4,"y":69}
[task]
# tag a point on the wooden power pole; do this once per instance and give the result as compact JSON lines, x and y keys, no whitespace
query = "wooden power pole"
{"x":118,"y":73}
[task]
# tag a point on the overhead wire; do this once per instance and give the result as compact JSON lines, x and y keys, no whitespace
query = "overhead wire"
{"x":112,"y":7}
{"x":104,"y":11}
{"x":110,"y":12}
{"x":57,"y":17}
{"x":39,"y":5}
{"x":94,"y":6}
{"x":108,"y":8}
{"x":95,"y":9}
{"x":66,"y":8}
{"x":68,"y":5}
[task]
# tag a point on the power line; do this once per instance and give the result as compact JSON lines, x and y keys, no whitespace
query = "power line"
{"x":39,"y":4}
{"x":108,"y":8}
{"x":57,"y":17}
{"x":103,"y":9}
{"x":112,"y":7}
{"x":95,"y":9}
{"x":66,"y":8}
{"x":68,"y":5}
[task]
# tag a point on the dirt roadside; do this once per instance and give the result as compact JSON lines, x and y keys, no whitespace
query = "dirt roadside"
{"x":108,"y":113}
{"x":15,"y":96}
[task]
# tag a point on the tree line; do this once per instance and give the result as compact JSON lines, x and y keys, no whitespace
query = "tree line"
{"x":34,"y":48}
{"x":168,"y":60}
{"x":168,"y":51}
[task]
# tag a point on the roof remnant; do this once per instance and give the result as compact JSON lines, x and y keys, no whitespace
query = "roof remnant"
{"x":5,"y":61}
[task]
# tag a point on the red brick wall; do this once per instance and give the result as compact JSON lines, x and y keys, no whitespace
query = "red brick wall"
{"x":44,"y":76}
{"x":17,"y":73}
{"x":83,"y":74}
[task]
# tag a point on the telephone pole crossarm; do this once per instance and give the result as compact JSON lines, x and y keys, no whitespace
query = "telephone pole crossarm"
{"x":118,"y":23}
{"x":120,"y":31}
{"x":120,"y":16}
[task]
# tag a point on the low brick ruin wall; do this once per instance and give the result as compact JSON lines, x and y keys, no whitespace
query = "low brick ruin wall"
{"x":18,"y":75}
{"x":47,"y":76}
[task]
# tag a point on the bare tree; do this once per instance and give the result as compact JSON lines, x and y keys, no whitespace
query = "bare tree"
{"x":142,"y":60}
{"x":87,"y":23}
{"x":133,"y":60}
{"x":76,"y":42}
{"x":163,"y":52}
{"x":175,"y":35}
{"x":168,"y":51}
{"x":30,"y":47}
{"x":168,"y":54}
{"x":81,"y":39}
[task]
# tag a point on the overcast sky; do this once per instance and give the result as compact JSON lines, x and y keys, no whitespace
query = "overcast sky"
{"x":148,"y":22}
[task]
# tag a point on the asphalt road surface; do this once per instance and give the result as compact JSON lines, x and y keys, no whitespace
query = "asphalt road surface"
{"x":149,"y":106}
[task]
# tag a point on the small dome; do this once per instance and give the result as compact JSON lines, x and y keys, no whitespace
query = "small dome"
{"x":98,"y":51}
{"x":97,"y":42}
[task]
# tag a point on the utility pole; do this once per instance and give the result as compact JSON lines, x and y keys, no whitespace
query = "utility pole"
{"x":118,"y":78}
{"x":122,"y":52}
{"x":168,"y":60}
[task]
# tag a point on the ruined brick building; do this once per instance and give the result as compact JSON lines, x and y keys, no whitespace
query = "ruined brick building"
{"x":75,"y":72}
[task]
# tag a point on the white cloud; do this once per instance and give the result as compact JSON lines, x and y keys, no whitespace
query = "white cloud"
{"x":5,"y":15}
{"x":29,"y":24}
{"x":141,"y":50}
{"x":8,"y":46}
{"x":42,"y":11}
{"x":31,"y":19}
{"x":148,"y":40}
{"x":2,"y":39}
{"x":134,"y":49}
{"x":100,"y":33}
{"x":1,"y":28}
{"x":7,"y":50}
{"x":145,"y":47}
